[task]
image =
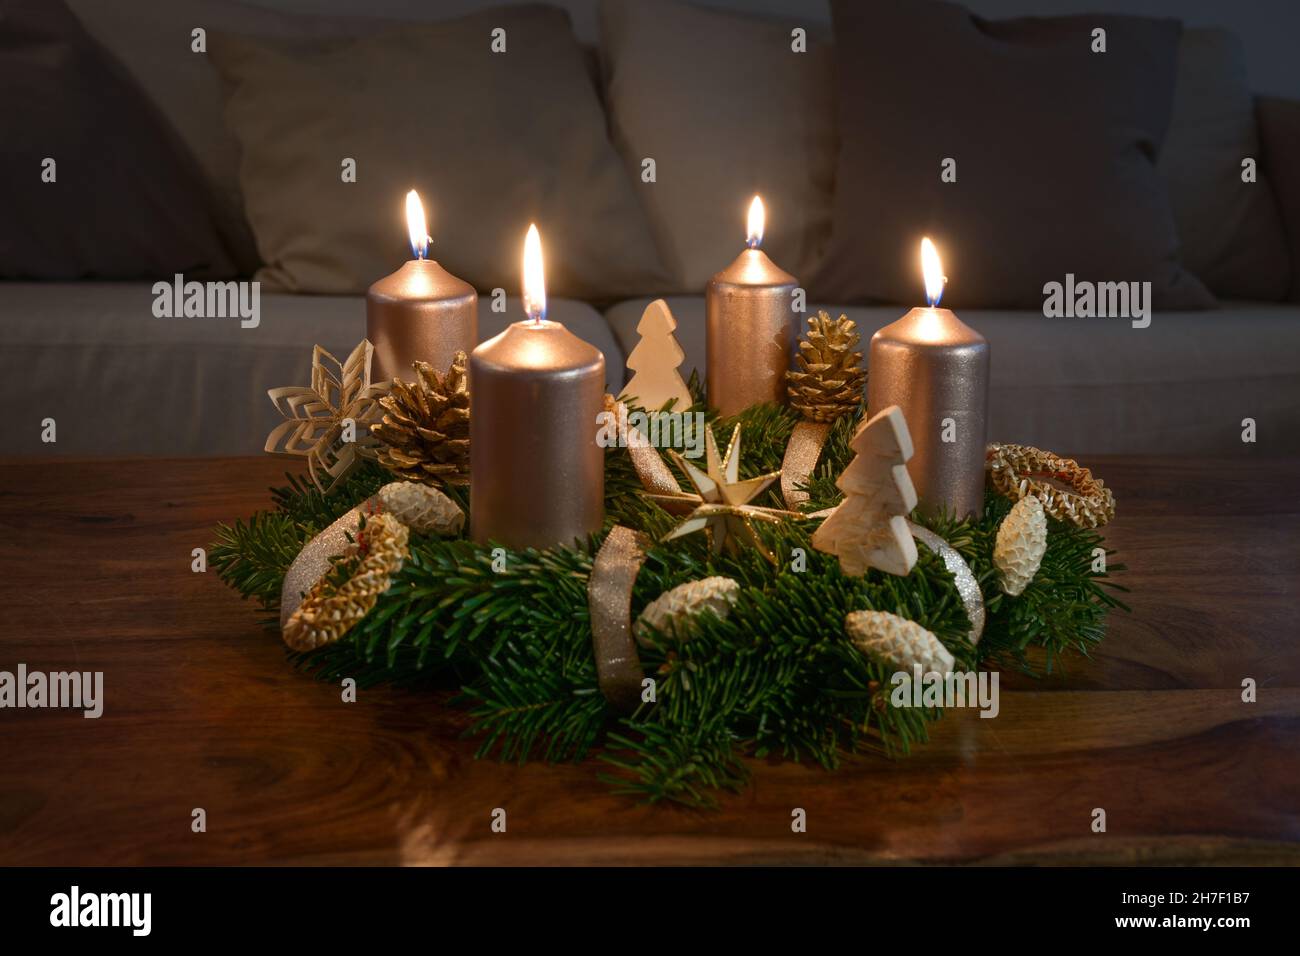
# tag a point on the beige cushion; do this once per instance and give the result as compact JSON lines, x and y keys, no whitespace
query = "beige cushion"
{"x":726,"y":110}
{"x":492,"y":141}
{"x":1231,"y":232}
{"x":152,"y":39}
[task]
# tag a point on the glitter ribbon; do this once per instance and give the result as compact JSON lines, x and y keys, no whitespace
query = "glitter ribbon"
{"x":801,"y":456}
{"x":316,"y":556}
{"x":655,"y":475}
{"x":609,"y":600}
{"x":331,"y":609}
{"x":972,"y":598}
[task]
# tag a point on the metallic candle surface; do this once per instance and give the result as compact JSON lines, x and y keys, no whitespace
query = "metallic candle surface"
{"x":537,"y":475}
{"x":747,"y":327}
{"x":935,"y":367}
{"x":419,"y":313}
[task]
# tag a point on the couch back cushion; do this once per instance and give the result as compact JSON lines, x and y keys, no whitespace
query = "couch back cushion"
{"x":727,"y":106}
{"x":1279,"y":126}
{"x":1230,"y":228}
{"x":93,"y":182}
{"x":154,"y":40}
{"x":1024,"y":154}
{"x":491,"y":140}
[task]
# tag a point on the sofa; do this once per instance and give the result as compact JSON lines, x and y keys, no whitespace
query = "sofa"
{"x":90,"y":353}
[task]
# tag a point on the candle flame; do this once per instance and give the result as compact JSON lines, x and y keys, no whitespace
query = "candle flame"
{"x":534,"y":276}
{"x":757,"y":220}
{"x":416,"y":226}
{"x":932,"y":269}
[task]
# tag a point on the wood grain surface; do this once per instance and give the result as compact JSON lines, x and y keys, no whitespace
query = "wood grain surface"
{"x":201,"y":710}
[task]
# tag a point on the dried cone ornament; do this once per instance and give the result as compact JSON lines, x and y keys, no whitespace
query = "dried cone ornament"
{"x":425,"y":431}
{"x":331,"y":609}
{"x":421,"y":508}
{"x":829,"y":381}
{"x":672,"y":611}
{"x":1020,"y":545}
{"x":896,"y":642}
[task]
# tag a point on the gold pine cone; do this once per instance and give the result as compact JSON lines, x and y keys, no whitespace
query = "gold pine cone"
{"x":425,"y":431}
{"x":830,"y":378}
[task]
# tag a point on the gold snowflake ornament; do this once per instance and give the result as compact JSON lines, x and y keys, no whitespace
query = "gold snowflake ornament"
{"x":329,"y":422}
{"x":721,"y":507}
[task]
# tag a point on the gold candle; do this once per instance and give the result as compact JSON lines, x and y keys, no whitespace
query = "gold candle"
{"x":421,"y":312}
{"x":935,"y":368}
{"x":747,"y":325}
{"x":537,"y":475}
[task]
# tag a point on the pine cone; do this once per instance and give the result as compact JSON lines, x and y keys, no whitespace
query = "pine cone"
{"x":897,"y":642}
{"x":421,"y":508}
{"x":425,"y":431}
{"x":1021,"y":544}
{"x":671,"y":611}
{"x":830,"y":378}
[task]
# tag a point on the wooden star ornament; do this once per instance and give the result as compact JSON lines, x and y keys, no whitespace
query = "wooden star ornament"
{"x":721,"y":506}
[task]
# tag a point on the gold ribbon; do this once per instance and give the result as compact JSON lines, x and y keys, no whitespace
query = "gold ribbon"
{"x":330,"y":610}
{"x":609,"y":600}
{"x":801,"y":454}
{"x":655,"y":475}
{"x":316,"y":557}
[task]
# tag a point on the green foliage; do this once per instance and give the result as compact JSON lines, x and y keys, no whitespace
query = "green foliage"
{"x":777,"y":678}
{"x":252,"y":556}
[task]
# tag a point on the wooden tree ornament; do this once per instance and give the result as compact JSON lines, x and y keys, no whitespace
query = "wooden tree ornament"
{"x":868,"y":529}
{"x":655,"y":360}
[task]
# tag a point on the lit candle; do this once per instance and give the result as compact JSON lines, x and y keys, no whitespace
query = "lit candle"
{"x":935,"y":368}
{"x":747,"y":324}
{"x":537,"y":475}
{"x":421,"y":312}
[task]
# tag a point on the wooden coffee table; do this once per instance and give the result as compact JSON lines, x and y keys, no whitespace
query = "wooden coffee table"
{"x":202,"y":710}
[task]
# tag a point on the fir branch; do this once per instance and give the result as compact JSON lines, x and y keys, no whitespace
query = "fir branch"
{"x":306,"y":505}
{"x":685,"y":765}
{"x":778,"y":676}
{"x":253,"y":556}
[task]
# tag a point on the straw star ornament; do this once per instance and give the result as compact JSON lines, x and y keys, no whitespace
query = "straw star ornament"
{"x":329,"y":421}
{"x":721,"y":507}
